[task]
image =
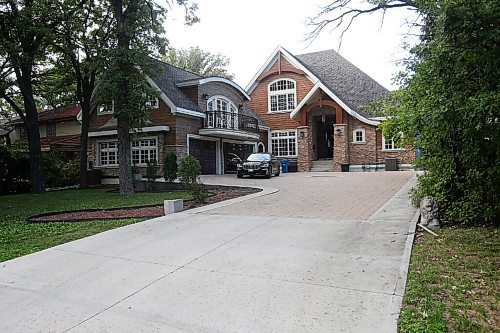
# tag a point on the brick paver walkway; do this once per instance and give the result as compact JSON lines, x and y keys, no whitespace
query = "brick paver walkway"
{"x":339,"y":196}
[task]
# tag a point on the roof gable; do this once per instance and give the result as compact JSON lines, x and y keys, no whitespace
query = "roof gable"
{"x":350,"y":84}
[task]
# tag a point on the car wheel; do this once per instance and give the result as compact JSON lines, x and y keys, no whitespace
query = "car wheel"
{"x":269,"y":172}
{"x":239,"y":175}
{"x":278,"y":172}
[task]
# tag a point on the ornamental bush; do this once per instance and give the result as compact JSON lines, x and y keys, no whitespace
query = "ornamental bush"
{"x":189,"y":175}
{"x":170,"y":167}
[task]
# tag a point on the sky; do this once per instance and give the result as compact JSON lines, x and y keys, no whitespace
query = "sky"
{"x":249,"y":31}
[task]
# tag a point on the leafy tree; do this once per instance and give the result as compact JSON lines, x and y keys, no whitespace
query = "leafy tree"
{"x":81,"y":46}
{"x":449,"y":104}
{"x":138,"y":35}
{"x":200,"y":62}
{"x":25,"y":31}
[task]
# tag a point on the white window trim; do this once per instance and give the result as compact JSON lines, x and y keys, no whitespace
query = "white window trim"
{"x":99,"y":113}
{"x":393,"y":145}
{"x":227,"y":120}
{"x":98,"y":154}
{"x":283,"y":137}
{"x":157,"y":102}
{"x":362,"y":130}
{"x":281,"y":92}
{"x":139,"y":148}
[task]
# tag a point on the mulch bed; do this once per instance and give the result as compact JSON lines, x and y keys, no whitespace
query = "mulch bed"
{"x":151,"y":211}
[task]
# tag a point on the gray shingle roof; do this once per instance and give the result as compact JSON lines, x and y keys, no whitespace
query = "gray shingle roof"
{"x":354,"y":87}
{"x":167,"y":82}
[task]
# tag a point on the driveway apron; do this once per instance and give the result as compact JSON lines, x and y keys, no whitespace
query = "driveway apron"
{"x":319,"y":252}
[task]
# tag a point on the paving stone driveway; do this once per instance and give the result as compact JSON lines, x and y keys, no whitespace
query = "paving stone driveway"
{"x":324,"y":254}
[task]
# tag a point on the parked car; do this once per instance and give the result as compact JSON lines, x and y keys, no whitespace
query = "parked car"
{"x":259,"y":164}
{"x":232,"y":161}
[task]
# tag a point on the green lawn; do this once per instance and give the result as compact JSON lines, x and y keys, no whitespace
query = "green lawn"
{"x":18,"y":238}
{"x":453,"y":282}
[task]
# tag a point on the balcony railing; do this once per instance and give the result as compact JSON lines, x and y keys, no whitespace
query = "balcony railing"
{"x":231,"y":121}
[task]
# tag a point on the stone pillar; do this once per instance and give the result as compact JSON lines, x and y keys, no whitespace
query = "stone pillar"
{"x":304,"y":146}
{"x":340,"y":149}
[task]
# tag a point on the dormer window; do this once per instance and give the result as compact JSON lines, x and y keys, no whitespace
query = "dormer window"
{"x":106,"y":108}
{"x":221,"y":113}
{"x":152,"y":102}
{"x":282,"y":96}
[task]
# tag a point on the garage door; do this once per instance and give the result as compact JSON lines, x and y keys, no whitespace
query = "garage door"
{"x":232,"y":151}
{"x":205,"y":152}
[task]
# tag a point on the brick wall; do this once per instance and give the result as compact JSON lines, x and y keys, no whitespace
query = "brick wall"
{"x":406,"y":156}
{"x":259,"y":96}
{"x":361,"y":153}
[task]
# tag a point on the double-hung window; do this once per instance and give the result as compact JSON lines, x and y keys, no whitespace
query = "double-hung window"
{"x":152,"y":102}
{"x":144,"y":150}
{"x":284,"y":143}
{"x":108,"y":153}
{"x":358,"y":136}
{"x":50,"y":129}
{"x":106,"y":108}
{"x":389,"y":144}
{"x":282,"y":95}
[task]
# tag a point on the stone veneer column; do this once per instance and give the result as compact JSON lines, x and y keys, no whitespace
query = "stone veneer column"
{"x":304,"y":146}
{"x":339,"y":146}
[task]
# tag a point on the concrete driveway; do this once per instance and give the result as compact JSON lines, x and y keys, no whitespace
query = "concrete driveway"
{"x":326,"y":253}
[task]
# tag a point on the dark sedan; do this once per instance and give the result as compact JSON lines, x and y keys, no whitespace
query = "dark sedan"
{"x":259,"y":164}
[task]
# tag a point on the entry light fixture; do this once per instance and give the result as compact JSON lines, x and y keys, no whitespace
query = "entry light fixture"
{"x":205,"y":96}
{"x":323,"y":118}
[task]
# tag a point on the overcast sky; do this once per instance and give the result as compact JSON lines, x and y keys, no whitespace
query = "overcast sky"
{"x":248,"y":31}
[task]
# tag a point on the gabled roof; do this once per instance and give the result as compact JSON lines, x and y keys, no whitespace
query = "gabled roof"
{"x":346,"y":84}
{"x":167,"y":83}
{"x":209,"y":79}
{"x":65,"y":113}
{"x":353,"y":86}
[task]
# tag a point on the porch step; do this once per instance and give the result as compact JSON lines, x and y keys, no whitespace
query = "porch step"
{"x":322,"y":166}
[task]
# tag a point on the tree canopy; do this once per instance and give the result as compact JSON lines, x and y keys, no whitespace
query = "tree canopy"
{"x":449,"y":103}
{"x":200,"y":62}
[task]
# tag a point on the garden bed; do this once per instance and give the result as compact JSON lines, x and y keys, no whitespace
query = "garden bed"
{"x":217,"y":194}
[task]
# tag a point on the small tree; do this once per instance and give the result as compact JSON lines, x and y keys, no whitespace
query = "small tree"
{"x":189,"y":175}
{"x":170,"y":167}
{"x":152,"y":174}
{"x":200,"y":62}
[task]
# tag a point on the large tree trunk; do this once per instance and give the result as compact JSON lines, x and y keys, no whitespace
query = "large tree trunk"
{"x":124,"y":158}
{"x":34,"y":146}
{"x":85,"y":105}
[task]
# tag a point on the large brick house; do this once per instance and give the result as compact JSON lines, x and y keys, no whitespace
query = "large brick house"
{"x":207,"y":117}
{"x":314,"y":105}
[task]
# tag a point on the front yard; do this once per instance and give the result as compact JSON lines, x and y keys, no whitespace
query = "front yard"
{"x":19,"y":238}
{"x":453,"y":282}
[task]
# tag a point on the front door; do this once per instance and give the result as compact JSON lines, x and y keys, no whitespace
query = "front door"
{"x":324,"y":136}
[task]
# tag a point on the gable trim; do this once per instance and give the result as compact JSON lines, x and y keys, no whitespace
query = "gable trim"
{"x":214,"y":79}
{"x":270,"y":61}
{"x":319,"y":85}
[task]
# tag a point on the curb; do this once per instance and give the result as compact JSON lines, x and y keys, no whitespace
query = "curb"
{"x":400,"y":287}
{"x":264,"y":191}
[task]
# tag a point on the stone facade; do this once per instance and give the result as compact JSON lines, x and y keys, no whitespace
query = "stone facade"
{"x":340,"y":147}
{"x":305,"y":151}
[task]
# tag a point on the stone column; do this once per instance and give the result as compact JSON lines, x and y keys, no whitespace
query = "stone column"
{"x":304,"y":146}
{"x":340,"y":150}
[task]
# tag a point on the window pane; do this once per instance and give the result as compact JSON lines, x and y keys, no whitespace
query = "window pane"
{"x":274,"y":103}
{"x":291,"y":101}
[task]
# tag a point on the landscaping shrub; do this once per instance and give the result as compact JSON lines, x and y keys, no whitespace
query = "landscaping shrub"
{"x":152,"y":174}
{"x":15,"y":170}
{"x":189,"y":175}
{"x":170,"y":167}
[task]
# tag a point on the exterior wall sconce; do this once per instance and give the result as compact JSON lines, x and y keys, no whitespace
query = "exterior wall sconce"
{"x":205,"y":96}
{"x":337,"y":130}
{"x":323,"y":118}
{"x":302,"y":134}
{"x":240,"y":107}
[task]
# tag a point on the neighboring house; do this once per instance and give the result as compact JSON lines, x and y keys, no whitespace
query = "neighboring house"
{"x":6,"y":130}
{"x":315,"y":105}
{"x":60,"y":129}
{"x":202,"y":116}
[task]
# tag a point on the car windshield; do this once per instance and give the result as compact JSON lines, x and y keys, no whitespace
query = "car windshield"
{"x":258,"y":157}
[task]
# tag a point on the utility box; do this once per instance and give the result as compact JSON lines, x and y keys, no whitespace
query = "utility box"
{"x":391,"y":164}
